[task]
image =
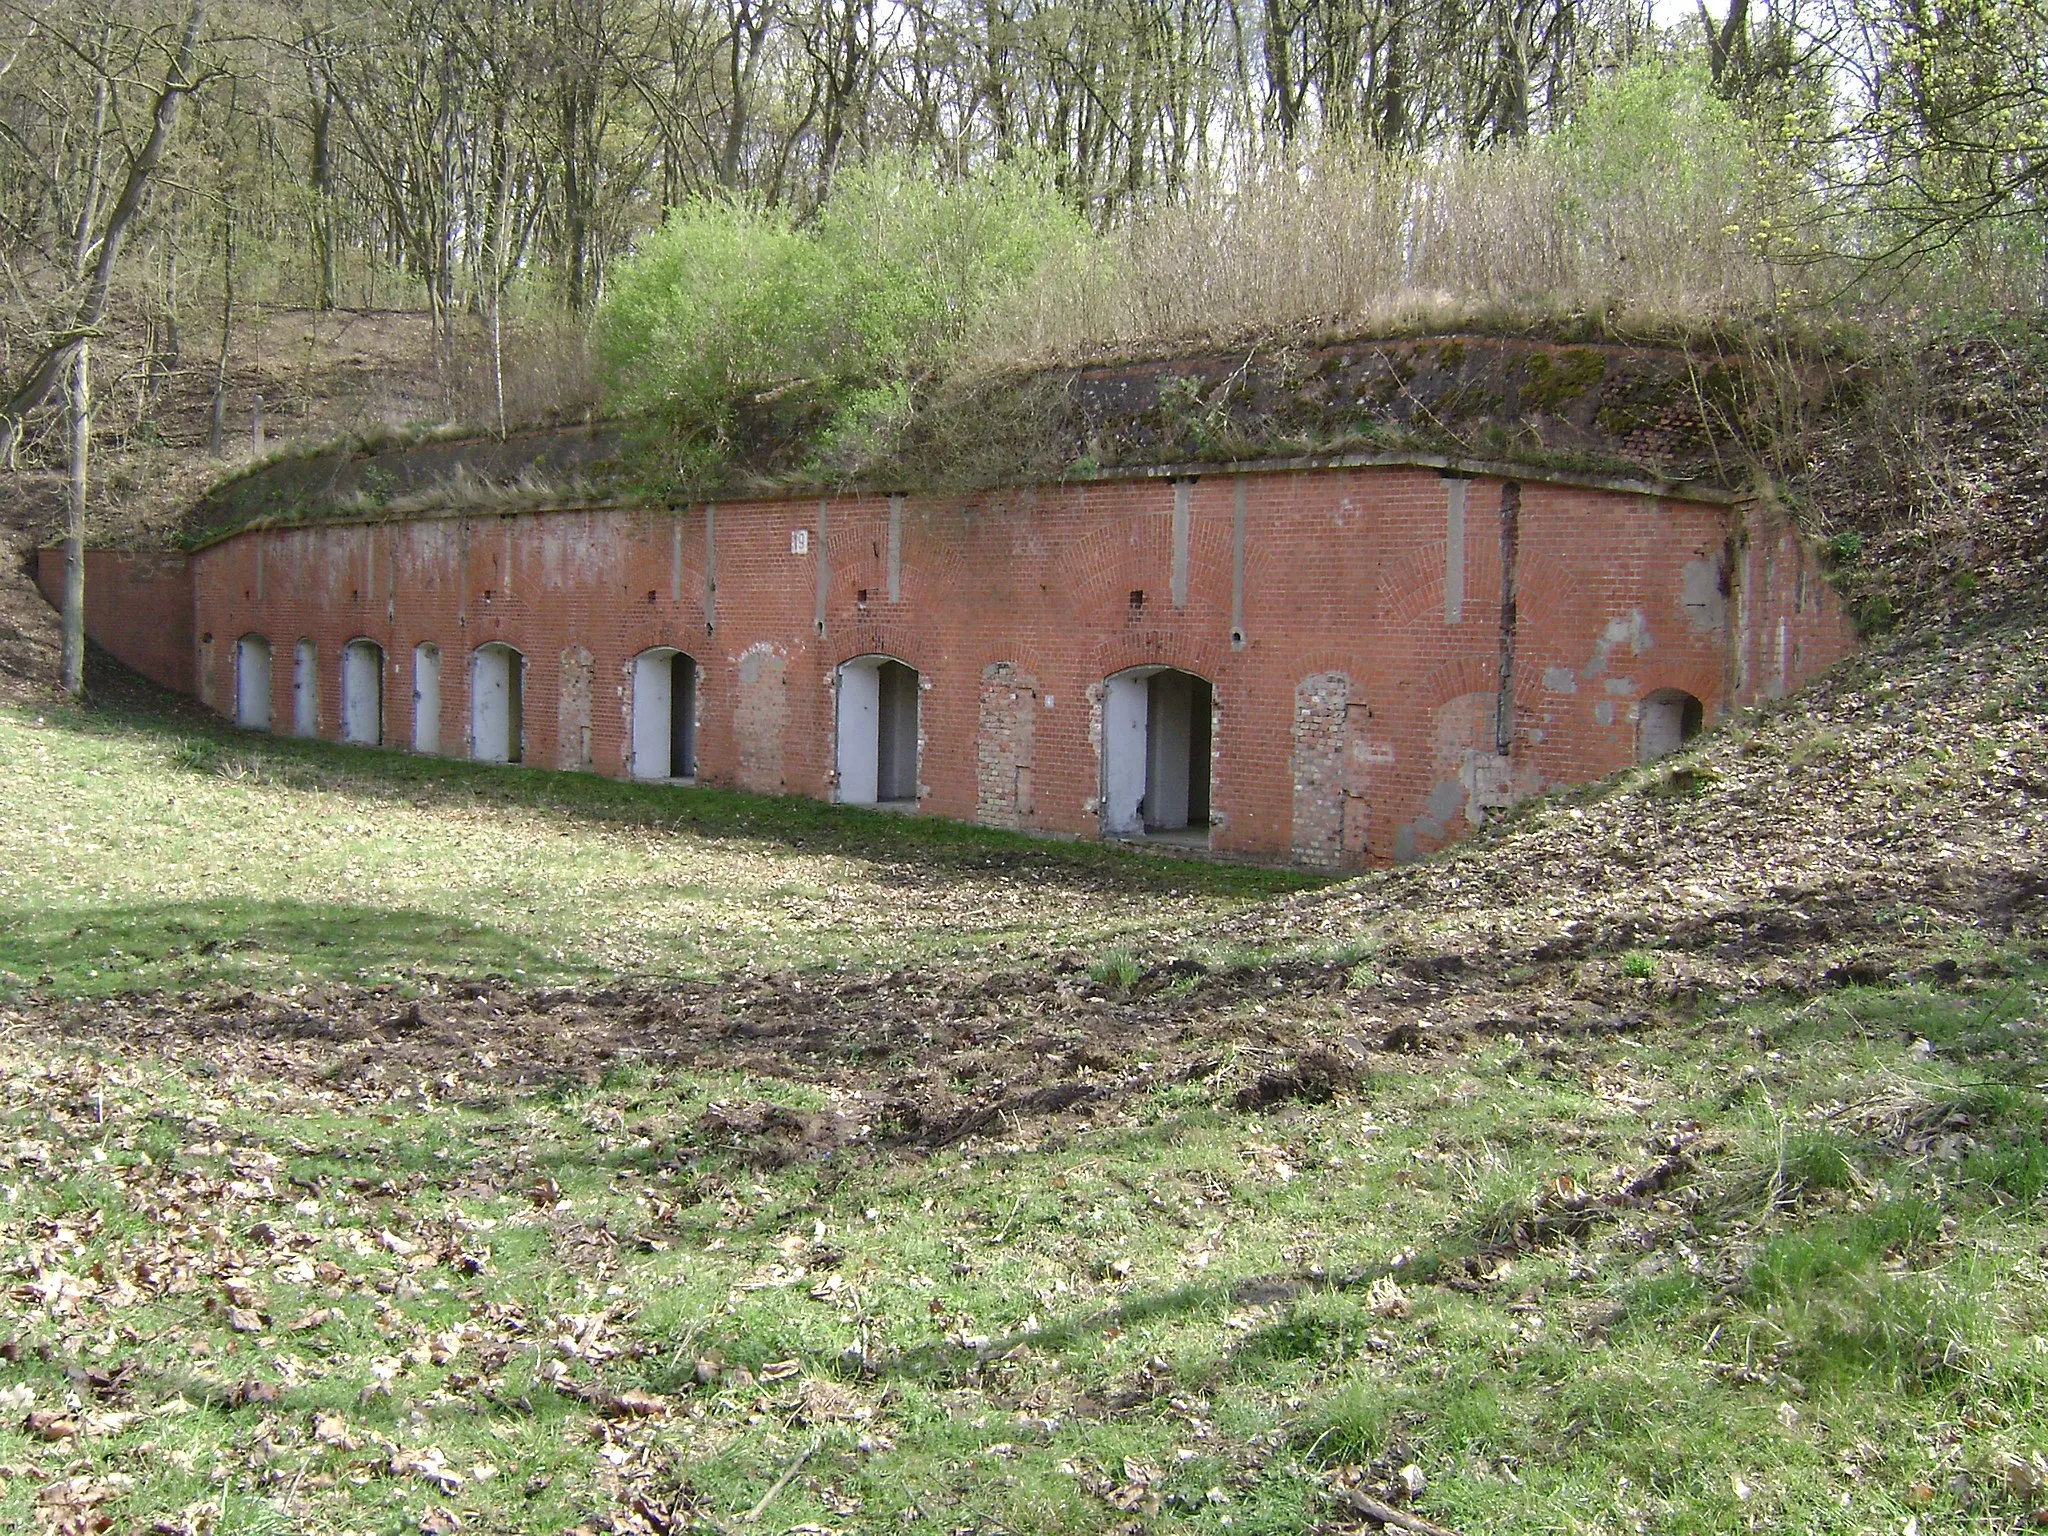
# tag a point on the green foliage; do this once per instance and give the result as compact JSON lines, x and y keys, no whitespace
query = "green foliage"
{"x":1658,"y":132}
{"x":1816,"y":1161}
{"x":725,"y":297}
{"x":1118,"y":968}
{"x":1639,"y":965}
{"x":731,"y":304}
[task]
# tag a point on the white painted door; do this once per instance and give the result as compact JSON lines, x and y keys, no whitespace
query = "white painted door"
{"x":252,"y":683}
{"x":426,"y":699}
{"x":306,"y":690}
{"x":1125,"y":700}
{"x":653,"y":675}
{"x":490,"y":704}
{"x":859,"y":732}
{"x":362,"y":693}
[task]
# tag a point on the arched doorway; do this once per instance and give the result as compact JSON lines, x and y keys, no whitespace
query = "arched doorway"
{"x":877,"y":735}
{"x":252,"y":683}
{"x":1156,"y":741}
{"x":664,"y":714}
{"x":1668,"y":719}
{"x":362,"y":693}
{"x":497,"y":727}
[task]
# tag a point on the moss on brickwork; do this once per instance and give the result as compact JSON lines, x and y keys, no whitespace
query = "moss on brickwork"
{"x":1550,"y":382}
{"x":1659,"y":415}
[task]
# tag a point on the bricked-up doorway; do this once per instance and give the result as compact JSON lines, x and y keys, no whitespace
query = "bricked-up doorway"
{"x":252,"y":683}
{"x":362,"y":693}
{"x":1156,"y":741}
{"x":497,"y":725}
{"x":664,"y":715}
{"x":877,"y":732}
{"x":1669,"y":719}
{"x":426,"y":698}
{"x":306,"y":689}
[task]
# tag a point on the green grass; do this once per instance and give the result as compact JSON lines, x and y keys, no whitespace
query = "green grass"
{"x":246,"y":1295}
{"x":151,"y":851}
{"x":1172,"y":1311}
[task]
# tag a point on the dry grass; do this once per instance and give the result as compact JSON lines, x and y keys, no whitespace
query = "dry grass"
{"x":1387,"y":245}
{"x":549,"y":370}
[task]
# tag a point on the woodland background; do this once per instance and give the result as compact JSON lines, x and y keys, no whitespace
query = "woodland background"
{"x":860,"y":195}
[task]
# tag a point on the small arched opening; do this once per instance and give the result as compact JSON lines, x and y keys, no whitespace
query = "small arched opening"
{"x":362,"y":693}
{"x":877,"y":735}
{"x":1156,"y":741}
{"x":426,"y":698}
{"x":306,"y":689}
{"x":664,"y":714}
{"x":497,"y":728}
{"x":252,"y":683}
{"x":1668,"y":719}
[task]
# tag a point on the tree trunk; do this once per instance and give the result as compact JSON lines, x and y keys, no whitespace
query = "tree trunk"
{"x":44,"y":375}
{"x":72,"y":664}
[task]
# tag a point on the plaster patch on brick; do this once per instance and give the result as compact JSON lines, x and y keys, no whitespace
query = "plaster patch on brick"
{"x":1630,"y":629}
{"x":760,"y":711}
{"x":573,"y":552}
{"x":1560,"y":680}
{"x":1603,"y":712}
{"x":572,"y":732}
{"x":1620,"y":687}
{"x":1003,"y":746}
{"x":1489,"y":780}
{"x":1703,"y":595}
{"x":1471,"y":779}
{"x":1321,"y":714}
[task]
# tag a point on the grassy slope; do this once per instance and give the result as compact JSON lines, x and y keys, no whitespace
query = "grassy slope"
{"x":1672,"y":1159}
{"x":150,"y":850}
{"x":1626,"y":1252}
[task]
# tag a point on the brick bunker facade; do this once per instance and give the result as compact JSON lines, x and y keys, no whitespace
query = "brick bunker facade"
{"x":1390,"y":652}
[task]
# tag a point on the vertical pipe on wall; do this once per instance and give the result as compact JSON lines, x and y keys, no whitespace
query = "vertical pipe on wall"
{"x":824,"y":572}
{"x":1454,"y":552}
{"x":895,"y":549}
{"x":1237,"y":520}
{"x":710,"y":567}
{"x":1510,"y":548}
{"x":1182,"y":491}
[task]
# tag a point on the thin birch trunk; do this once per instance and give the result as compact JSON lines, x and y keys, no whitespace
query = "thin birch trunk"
{"x":72,"y":665}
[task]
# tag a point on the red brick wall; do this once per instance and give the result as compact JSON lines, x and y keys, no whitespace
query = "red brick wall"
{"x":1356,"y":710}
{"x":137,"y":606}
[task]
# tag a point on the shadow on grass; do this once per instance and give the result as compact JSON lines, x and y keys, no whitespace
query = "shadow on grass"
{"x":86,"y":951}
{"x":120,"y":701}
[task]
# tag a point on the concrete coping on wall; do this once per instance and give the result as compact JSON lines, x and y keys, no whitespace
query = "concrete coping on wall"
{"x":1703,"y":491}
